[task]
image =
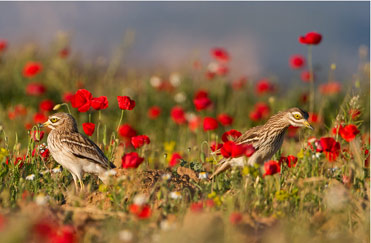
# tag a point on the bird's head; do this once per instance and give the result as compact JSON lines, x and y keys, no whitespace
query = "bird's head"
{"x":298,"y":118}
{"x":61,"y":120}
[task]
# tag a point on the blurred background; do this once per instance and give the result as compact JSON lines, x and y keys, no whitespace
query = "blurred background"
{"x":260,"y":36}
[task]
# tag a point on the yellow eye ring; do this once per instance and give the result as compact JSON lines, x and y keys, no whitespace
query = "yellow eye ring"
{"x":297,"y":116}
{"x":53,"y":120}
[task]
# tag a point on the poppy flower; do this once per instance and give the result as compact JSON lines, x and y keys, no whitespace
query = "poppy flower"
{"x":131,"y":160}
{"x":271,"y":167}
{"x":125,"y":103}
{"x":290,"y":160}
{"x":222,"y":70}
{"x":330,"y":147}
{"x":196,"y":207}
{"x":235,"y":218}
{"x":46,"y":105}
{"x":231,"y":135}
{"x":3,"y":45}
{"x":89,"y":128}
{"x":141,"y":211}
{"x":81,"y":100}
{"x":330,"y":88}
{"x":264,"y":86}
{"x":210,"y":124}
{"x":99,"y":103}
{"x":249,"y":150}
{"x":178,"y":115}
{"x":40,"y":118}
{"x":174,"y":160}
{"x":201,"y":103}
{"x":216,"y":146}
{"x":67,"y":97}
{"x":154,"y":112}
{"x":231,"y":149}
{"x":305,"y":76}
{"x":66,"y":234}
{"x":354,"y":113}
{"x":225,"y":119}
{"x":19,"y":161}
{"x":31,"y":69}
{"x":193,"y":122}
{"x":239,"y":83}
{"x":209,"y":75}
{"x":64,"y":52}
{"x":139,"y":141}
{"x":37,"y":135}
{"x":261,"y":111}
{"x":126,"y":131}
{"x":220,"y":54}
{"x":297,"y":61}
{"x":348,"y":132}
{"x":314,"y":118}
{"x":311,"y":38}
{"x":35,"y":89}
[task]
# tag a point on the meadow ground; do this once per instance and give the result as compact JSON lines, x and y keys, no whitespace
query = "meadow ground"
{"x":315,"y":189}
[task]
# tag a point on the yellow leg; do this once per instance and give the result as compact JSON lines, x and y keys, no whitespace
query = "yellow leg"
{"x":75,"y":181}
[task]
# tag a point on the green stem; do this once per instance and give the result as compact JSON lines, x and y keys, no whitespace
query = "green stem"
{"x":122,"y":115}
{"x":311,"y":78}
{"x":99,"y":116}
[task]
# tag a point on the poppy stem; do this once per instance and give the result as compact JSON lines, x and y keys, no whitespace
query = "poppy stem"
{"x":122,"y":115}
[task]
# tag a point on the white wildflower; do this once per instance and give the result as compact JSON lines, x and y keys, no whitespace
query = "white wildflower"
{"x":57,"y":169}
{"x":175,"y":195}
{"x":41,"y":199}
{"x":175,"y":79}
{"x":166,"y":176}
{"x":140,"y":199}
{"x":180,"y":97}
{"x":213,"y":67}
{"x":202,"y":175}
{"x":126,"y":235}
{"x":155,"y":81}
{"x":30,"y":177}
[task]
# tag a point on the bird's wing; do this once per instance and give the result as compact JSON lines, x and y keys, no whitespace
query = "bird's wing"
{"x":82,"y":147}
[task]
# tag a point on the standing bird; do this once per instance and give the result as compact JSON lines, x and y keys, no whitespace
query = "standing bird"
{"x":266,"y":139}
{"x":74,"y":151}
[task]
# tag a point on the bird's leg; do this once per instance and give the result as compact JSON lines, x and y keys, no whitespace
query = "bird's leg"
{"x":226,"y":165}
{"x":81,"y":183}
{"x":75,"y":181}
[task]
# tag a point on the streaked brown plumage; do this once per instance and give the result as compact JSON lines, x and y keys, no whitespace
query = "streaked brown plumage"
{"x":267,"y":139}
{"x":74,"y":151}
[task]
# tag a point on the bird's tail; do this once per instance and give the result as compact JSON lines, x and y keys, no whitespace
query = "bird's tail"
{"x":107,"y":175}
{"x":223,"y":165}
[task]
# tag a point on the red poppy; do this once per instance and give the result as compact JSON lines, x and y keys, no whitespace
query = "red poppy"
{"x":220,"y":54}
{"x":330,"y":147}
{"x":239,"y":83}
{"x":303,"y":98}
{"x":209,"y":75}
{"x":210,"y":124}
{"x":271,"y":167}
{"x":194,"y":122}
{"x":261,"y":111}
{"x":349,"y":132}
{"x":139,"y":141}
{"x":290,"y":160}
{"x":201,"y":93}
{"x":19,"y":161}
{"x":3,"y":45}
{"x":40,"y":118}
{"x":209,"y":203}
{"x":291,"y":131}
{"x":126,"y":131}
{"x":336,"y":129}
{"x":222,"y":70}
{"x":46,"y":105}
{"x":99,"y":103}
{"x":216,"y":146}
{"x":131,"y":160}
{"x":330,"y":88}
{"x":89,"y":128}
{"x":37,"y":135}
{"x":178,"y":116}
{"x":235,"y":218}
{"x":297,"y":61}
{"x":311,"y":38}
{"x":314,"y":118}
{"x":31,"y":69}
{"x":64,"y":52}
{"x":174,"y":160}
{"x":125,"y":103}
{"x":35,"y":89}
{"x":305,"y":76}
{"x":231,"y":149}
{"x":82,"y":100}
{"x":154,"y":112}
{"x":196,"y":207}
{"x":65,"y":234}
{"x":141,"y":211}
{"x":67,"y":97}
{"x":354,"y":113}
{"x":202,"y":103}
{"x":231,"y":135}
{"x":225,"y":119}
{"x":263,"y":87}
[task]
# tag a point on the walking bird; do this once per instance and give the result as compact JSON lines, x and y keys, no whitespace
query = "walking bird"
{"x":266,"y":139}
{"x":74,"y":151}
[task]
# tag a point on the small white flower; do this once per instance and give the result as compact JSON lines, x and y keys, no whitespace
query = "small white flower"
{"x":190,"y":116}
{"x":166,"y":176}
{"x":44,"y":172}
{"x":41,"y":199}
{"x":140,"y":199}
{"x":202,"y":175}
{"x":175,"y":79}
{"x":30,"y":177}
{"x":155,"y":81}
{"x":180,"y":97}
{"x":175,"y":195}
{"x":213,"y":67}
{"x":57,"y":169}
{"x":125,"y":235}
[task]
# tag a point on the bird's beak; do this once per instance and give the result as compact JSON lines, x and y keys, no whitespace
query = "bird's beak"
{"x":45,"y":124}
{"x":307,"y":125}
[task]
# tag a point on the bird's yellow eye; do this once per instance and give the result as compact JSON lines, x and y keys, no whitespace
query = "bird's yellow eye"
{"x":53,"y":120}
{"x":297,"y":116}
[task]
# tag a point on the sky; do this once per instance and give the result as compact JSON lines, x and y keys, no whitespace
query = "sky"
{"x":260,"y":36}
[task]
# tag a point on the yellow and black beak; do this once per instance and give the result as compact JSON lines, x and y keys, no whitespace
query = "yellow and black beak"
{"x":45,"y":124}
{"x":307,"y":125}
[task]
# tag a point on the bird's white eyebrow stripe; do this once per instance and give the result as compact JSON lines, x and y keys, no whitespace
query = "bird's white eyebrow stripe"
{"x":296,"y":113}
{"x":75,"y":142}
